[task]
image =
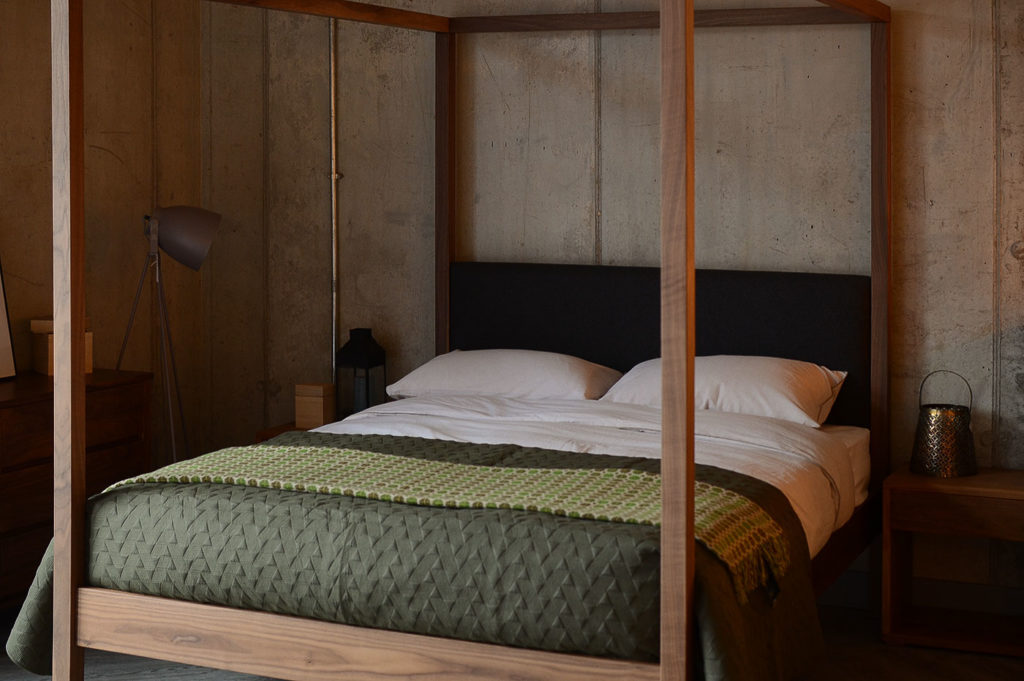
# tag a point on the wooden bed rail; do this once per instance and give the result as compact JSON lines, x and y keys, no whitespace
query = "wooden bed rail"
{"x":838,"y":12}
{"x":868,"y":10}
{"x":619,"y":21}
{"x":354,"y":11}
{"x":301,"y":649}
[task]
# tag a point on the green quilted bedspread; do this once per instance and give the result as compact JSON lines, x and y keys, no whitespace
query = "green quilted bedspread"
{"x":508,"y":576}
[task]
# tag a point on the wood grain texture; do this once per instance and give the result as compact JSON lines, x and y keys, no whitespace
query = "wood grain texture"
{"x":780,"y":16}
{"x":556,"y":22}
{"x":677,"y":337}
{"x":957,"y":514}
{"x":853,"y":652}
{"x":446,"y":176}
{"x":990,"y":504}
{"x":307,"y":650}
{"x":622,"y":21}
{"x":872,"y":10}
{"x":881,"y":248}
{"x":68,"y":140}
{"x":895,"y":562}
{"x":354,"y":11}
{"x":989,"y":482}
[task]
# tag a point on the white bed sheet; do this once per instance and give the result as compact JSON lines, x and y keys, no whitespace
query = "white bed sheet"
{"x":812,"y":467}
{"x":858,"y":442}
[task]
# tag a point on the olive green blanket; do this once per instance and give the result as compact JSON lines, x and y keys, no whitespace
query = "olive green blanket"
{"x":499,"y":575}
{"x":736,"y":529}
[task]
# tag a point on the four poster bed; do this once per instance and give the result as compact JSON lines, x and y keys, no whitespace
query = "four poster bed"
{"x":841,"y":322}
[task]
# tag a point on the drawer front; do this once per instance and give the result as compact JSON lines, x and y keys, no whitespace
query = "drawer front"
{"x":116,"y":414}
{"x":26,"y":434}
{"x":20,"y":553}
{"x":956,"y":514}
{"x":107,"y":466}
{"x":26,"y":498}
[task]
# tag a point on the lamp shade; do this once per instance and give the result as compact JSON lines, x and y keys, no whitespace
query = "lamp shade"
{"x":186,"y":232}
{"x":361,"y":351}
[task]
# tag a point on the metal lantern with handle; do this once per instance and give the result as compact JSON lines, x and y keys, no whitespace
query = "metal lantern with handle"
{"x":363,"y":355}
{"x":944,"y":443}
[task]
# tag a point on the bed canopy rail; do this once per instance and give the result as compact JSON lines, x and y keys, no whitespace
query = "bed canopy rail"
{"x":220,"y":637}
{"x":837,"y":12}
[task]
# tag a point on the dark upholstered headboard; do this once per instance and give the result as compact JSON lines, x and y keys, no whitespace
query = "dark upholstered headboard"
{"x":611,"y":315}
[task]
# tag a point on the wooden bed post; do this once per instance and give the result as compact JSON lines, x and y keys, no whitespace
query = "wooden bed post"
{"x":677,"y":338}
{"x":69,"y":333}
{"x":299,"y":649}
{"x":445,"y":179}
{"x":881,"y":221}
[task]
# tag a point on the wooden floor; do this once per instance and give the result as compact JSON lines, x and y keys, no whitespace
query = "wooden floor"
{"x":854,"y":652}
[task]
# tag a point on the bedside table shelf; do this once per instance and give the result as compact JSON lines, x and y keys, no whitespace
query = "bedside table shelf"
{"x":958,"y":629}
{"x":990,"y":505}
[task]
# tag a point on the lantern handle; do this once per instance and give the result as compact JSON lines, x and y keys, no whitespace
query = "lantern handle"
{"x":970,"y":393}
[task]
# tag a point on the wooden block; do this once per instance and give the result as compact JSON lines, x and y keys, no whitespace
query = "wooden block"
{"x":314,"y":405}
{"x":42,"y":353}
{"x":45,"y":325}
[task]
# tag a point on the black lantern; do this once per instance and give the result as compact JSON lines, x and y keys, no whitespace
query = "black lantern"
{"x":362,"y":354}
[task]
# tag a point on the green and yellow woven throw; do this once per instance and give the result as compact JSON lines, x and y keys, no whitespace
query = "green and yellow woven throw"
{"x":742,"y":535}
{"x":736,"y":529}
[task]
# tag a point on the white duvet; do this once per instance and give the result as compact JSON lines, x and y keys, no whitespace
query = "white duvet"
{"x":812,"y":467}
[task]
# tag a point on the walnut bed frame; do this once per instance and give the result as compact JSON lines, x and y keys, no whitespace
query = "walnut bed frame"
{"x":305,"y":650}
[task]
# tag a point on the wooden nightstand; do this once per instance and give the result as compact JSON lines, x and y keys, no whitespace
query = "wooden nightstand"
{"x":117,"y":445}
{"x":990,"y":504}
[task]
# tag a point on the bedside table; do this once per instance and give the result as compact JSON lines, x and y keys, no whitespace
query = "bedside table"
{"x":989,"y":504}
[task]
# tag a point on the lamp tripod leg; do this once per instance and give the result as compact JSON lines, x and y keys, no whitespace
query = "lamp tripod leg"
{"x":150,"y":260}
{"x":174,"y":369}
{"x":165,"y":340}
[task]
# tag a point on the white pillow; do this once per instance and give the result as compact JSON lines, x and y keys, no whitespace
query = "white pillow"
{"x":527,"y":374}
{"x":786,"y":389}
{"x":640,"y":385}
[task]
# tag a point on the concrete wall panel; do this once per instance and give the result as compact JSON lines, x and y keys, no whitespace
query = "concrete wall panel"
{"x":386,"y":190}
{"x":628,"y":221}
{"x":141,"y":150}
{"x":266,"y":126}
{"x":783,"y":173}
{"x":25,"y":241}
{"x":177,"y":162}
{"x":527,"y":190}
{"x":119,"y":172}
{"x":1009,"y":242}
{"x":235,"y":276}
{"x":943,"y":210}
{"x":299,"y":309}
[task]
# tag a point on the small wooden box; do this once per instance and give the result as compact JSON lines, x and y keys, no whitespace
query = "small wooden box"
{"x":314,"y":405}
{"x":42,"y":353}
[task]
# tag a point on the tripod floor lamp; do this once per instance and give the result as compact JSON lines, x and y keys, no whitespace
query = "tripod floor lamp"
{"x":185,"y":234}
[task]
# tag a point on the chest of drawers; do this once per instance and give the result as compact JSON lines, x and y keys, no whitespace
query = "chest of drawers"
{"x":117,"y":434}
